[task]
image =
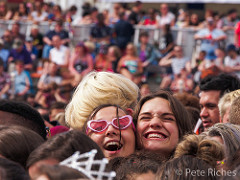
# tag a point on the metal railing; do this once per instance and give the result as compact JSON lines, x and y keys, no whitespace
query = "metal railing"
{"x":182,"y":36}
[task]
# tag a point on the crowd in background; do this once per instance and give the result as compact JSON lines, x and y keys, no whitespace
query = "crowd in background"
{"x":125,"y":98}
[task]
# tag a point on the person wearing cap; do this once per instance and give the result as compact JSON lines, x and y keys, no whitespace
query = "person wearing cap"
{"x":19,"y":52}
{"x":210,"y":36}
{"x":31,"y":48}
{"x":4,"y":53}
{"x":4,"y":81}
{"x":58,"y":30}
{"x":232,"y":60}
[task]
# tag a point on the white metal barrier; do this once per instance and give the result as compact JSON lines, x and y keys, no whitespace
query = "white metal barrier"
{"x":182,"y":36}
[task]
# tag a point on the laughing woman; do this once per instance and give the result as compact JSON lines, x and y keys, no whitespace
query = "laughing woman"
{"x":112,"y":129}
{"x":161,"y":121}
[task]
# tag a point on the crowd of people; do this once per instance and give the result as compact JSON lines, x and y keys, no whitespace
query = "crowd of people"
{"x":65,"y":107}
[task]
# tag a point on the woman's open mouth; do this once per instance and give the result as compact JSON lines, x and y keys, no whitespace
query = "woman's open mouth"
{"x":112,"y":146}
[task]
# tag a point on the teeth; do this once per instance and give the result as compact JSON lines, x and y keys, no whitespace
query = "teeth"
{"x":156,"y":136}
{"x":113,"y":143}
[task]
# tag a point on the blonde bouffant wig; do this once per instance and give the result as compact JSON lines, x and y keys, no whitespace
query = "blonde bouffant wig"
{"x":99,"y":88}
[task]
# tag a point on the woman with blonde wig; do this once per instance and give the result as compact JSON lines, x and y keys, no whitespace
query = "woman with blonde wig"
{"x":99,"y":88}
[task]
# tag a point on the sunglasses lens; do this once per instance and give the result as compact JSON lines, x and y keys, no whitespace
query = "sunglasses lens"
{"x":98,"y":125}
{"x":123,"y":122}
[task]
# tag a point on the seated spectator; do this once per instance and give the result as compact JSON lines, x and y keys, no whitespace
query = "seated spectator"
{"x":21,"y":114}
{"x":38,"y":15}
{"x":234,"y":113}
{"x":230,"y":21}
{"x":232,"y":61}
{"x":31,"y":49}
{"x":4,"y":54}
{"x":114,"y":55}
{"x":21,"y":80}
{"x":15,"y":32}
{"x":59,"y":54}
{"x":166,"y":16}
{"x":50,"y":96}
{"x":54,"y":150}
{"x":123,"y":31}
{"x":8,"y":39}
{"x":225,"y":104}
{"x":58,"y":30}
{"x":144,"y":89}
{"x":100,"y":33}
{"x":146,"y":51}
{"x":37,"y":39}
{"x":177,"y":61}
{"x":5,"y":82}
{"x":102,"y":61}
{"x":5,"y":12}
{"x":22,"y":13}
{"x":80,"y":63}
{"x":130,"y":64}
{"x":56,"y":13}
{"x":17,"y":142}
{"x":19,"y":52}
{"x":50,"y":76}
{"x":210,"y":37}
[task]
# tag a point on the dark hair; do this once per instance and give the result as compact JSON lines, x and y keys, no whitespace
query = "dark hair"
{"x":23,"y":115}
{"x":182,"y":117}
{"x":73,"y":8}
{"x":10,"y":170}
{"x":231,"y":11}
{"x":59,"y":172}
{"x":16,"y":143}
{"x":58,"y":105}
{"x":143,"y":34}
{"x":136,"y":164}
{"x":1,"y":62}
{"x":176,"y":169}
{"x":223,"y":83}
{"x":62,"y":146}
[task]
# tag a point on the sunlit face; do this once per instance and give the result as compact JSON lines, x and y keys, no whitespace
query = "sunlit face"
{"x":109,"y":140}
{"x":209,"y":108}
{"x":130,"y":49}
{"x":56,"y":41}
{"x":157,"y":127}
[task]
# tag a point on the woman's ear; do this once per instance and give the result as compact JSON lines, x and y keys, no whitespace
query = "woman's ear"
{"x":129,"y":111}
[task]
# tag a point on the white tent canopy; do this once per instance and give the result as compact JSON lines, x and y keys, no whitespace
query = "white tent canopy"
{"x":180,"y":1}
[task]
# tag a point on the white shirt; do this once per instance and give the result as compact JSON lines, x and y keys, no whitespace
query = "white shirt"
{"x":178,"y":64}
{"x":163,"y":20}
{"x":228,"y":61}
{"x":59,"y":55}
